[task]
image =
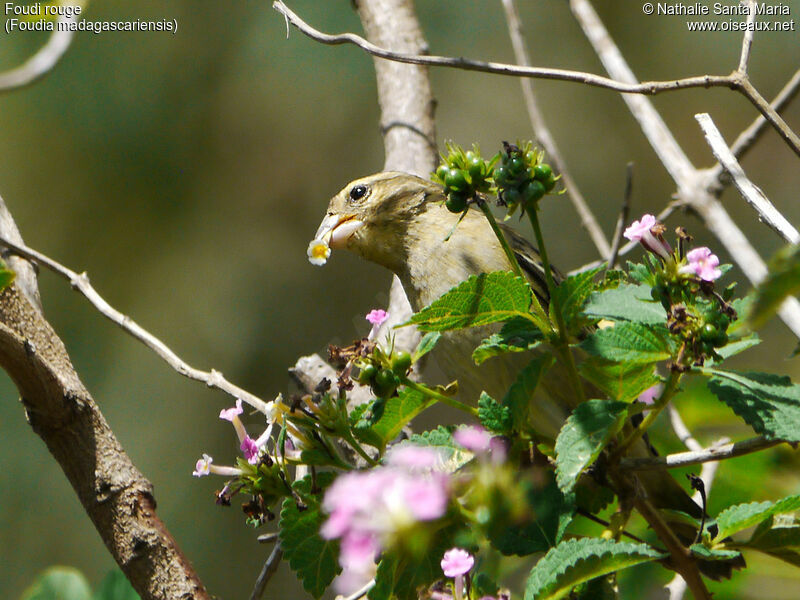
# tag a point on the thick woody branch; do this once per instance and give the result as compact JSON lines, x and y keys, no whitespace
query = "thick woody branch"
{"x":115,"y":495}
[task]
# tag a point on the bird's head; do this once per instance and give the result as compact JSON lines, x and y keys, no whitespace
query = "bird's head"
{"x":371,"y":215}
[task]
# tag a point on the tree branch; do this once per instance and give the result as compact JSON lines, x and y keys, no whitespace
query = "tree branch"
{"x":44,"y":60}
{"x":115,"y":495}
{"x":80,"y":282}
{"x":682,"y":459}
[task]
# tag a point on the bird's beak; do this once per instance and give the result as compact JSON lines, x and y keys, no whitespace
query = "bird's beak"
{"x":335,"y":230}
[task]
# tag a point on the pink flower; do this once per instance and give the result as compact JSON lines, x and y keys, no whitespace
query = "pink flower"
{"x":203,"y":466}
{"x":377,"y":316}
{"x":650,"y":395}
{"x":229,"y":414}
{"x":642,"y":232}
{"x":411,"y":457}
{"x":702,"y":263}
{"x":250,"y":449}
{"x":457,"y":561}
{"x":473,"y":438}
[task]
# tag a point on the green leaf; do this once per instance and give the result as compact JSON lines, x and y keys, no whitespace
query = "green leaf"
{"x":584,"y":435}
{"x":517,"y":335}
{"x":626,"y":303}
{"x":769,"y":403}
{"x":549,"y":513}
{"x":778,"y":536}
{"x":621,"y":381}
{"x":571,"y":295}
{"x":494,"y":416}
{"x":314,"y":560}
{"x":59,"y":583}
{"x":742,"y":516}
{"x":480,"y":300}
{"x":783,"y":279}
{"x":630,"y":342}
{"x":396,"y":412}
{"x":426,"y":344}
{"x":115,"y":586}
{"x":577,"y":560}
{"x":704,"y":553}
{"x":518,"y":397}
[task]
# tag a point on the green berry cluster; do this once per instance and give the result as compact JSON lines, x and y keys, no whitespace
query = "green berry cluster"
{"x":522,"y":179}
{"x":383,"y":374}
{"x":463,"y":175}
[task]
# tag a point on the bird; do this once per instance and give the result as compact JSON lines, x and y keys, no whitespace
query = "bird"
{"x":399,"y":221}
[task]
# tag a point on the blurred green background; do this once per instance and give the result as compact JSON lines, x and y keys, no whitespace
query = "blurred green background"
{"x":186,"y":173}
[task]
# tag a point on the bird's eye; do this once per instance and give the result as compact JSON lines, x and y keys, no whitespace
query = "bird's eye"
{"x":358,"y":192}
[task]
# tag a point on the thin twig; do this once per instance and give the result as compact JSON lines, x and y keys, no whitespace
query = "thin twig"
{"x":623,"y":217}
{"x":682,"y":459}
{"x":770,"y":114}
{"x":545,"y":137}
{"x":80,"y":282}
{"x":747,"y":39}
{"x":45,"y":59}
{"x":767,"y":213}
{"x":749,"y":136}
{"x":647,"y":87}
{"x":267,"y":571}
{"x":362,"y":592}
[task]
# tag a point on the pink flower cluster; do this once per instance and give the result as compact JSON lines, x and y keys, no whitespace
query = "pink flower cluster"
{"x":702,"y":263}
{"x":369,"y":508}
{"x":643,"y":232}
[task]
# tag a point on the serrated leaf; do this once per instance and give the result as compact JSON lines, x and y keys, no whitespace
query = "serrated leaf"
{"x":518,"y":397}
{"x":517,"y":335}
{"x":631,"y":342}
{"x":778,"y":537}
{"x":741,"y":516}
{"x":480,"y":300}
{"x":313,"y":559}
{"x":59,"y":583}
{"x":571,"y":295}
{"x":115,"y":586}
{"x":769,"y":403}
{"x":426,"y":344}
{"x":627,"y":302}
{"x":705,"y":553}
{"x":494,"y":416}
{"x":621,"y":381}
{"x":585,"y":433}
{"x":783,"y":280}
{"x":577,"y":560}
{"x":395,"y":413}
{"x":549,"y":513}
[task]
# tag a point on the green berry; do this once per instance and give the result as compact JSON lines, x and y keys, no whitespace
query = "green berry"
{"x":709,"y":332}
{"x":456,"y":180}
{"x":500,"y":175}
{"x":384,"y":384}
{"x":456,"y":202}
{"x":530,"y":157}
{"x":475,"y":169}
{"x":512,"y":196}
{"x":550,"y":183}
{"x":401,"y":362}
{"x":367,"y":374}
{"x":532,"y":192}
{"x":542,"y":172}
{"x":470,"y":156}
{"x":516,"y":166}
{"x":442,"y":171}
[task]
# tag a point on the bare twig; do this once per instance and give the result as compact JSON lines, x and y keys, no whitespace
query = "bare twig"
{"x":267,"y":571}
{"x":545,"y":137}
{"x":623,"y":217}
{"x":45,"y":59}
{"x":683,"y":459}
{"x":747,"y":38}
{"x":362,"y":592}
{"x":80,"y":282}
{"x":749,"y":136}
{"x":767,"y":213}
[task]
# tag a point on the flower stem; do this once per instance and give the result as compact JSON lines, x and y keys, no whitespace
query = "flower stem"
{"x":452,"y":402}
{"x":564,"y":350}
{"x":509,"y":253}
